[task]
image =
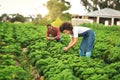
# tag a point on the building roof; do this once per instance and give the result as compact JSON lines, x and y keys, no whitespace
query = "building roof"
{"x":106,"y":12}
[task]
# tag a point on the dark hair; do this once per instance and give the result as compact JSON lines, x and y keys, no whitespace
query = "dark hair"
{"x":66,"y":26}
{"x":49,"y":25}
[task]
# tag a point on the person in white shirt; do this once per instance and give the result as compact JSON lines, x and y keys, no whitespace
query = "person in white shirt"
{"x":87,"y":43}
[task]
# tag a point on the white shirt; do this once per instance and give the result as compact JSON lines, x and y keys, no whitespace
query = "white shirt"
{"x":78,"y":30}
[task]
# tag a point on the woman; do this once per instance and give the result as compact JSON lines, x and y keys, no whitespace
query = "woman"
{"x":88,"y":35}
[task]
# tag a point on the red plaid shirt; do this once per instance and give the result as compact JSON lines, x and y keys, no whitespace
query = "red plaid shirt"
{"x":53,"y":33}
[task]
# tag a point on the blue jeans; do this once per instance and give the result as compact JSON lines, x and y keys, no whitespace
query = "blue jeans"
{"x":82,"y":53}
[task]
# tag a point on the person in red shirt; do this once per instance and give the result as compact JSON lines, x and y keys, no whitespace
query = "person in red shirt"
{"x":52,"y":33}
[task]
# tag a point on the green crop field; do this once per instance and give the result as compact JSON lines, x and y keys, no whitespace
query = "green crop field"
{"x":25,"y":53}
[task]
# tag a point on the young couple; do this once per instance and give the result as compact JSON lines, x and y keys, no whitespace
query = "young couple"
{"x":87,"y":43}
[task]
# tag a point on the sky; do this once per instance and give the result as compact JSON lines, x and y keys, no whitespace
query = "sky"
{"x":33,"y":7}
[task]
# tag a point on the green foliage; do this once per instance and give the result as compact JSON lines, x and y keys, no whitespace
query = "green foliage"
{"x":56,"y":8}
{"x":62,"y":76}
{"x":66,"y":17}
{"x":18,"y":18}
{"x":6,"y":60}
{"x":51,"y":61}
{"x":12,"y":72}
{"x":41,"y":21}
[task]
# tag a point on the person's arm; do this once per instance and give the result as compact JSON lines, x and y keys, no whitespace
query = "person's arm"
{"x":73,"y":41}
{"x":58,"y":34}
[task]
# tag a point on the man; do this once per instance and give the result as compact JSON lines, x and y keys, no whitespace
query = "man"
{"x":52,"y":33}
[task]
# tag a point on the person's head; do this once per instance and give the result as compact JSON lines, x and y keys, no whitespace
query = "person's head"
{"x":66,"y":28}
{"x":49,"y":26}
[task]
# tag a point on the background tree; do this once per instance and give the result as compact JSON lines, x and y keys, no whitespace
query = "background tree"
{"x":92,"y":5}
{"x":39,"y":20}
{"x":4,"y":18}
{"x":56,"y":8}
{"x":18,"y":17}
{"x":36,"y":20}
{"x":66,"y":16}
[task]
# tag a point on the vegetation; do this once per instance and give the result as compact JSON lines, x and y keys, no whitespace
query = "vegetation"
{"x":56,"y":9}
{"x":48,"y":58}
{"x":12,"y":18}
{"x":92,"y":5}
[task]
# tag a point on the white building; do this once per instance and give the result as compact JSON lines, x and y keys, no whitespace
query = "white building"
{"x":105,"y":16}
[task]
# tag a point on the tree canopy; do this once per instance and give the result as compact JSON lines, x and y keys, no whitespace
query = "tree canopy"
{"x":56,"y":8}
{"x":92,"y":5}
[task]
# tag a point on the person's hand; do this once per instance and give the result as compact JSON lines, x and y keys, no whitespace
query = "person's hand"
{"x":52,"y":38}
{"x":48,"y":38}
{"x":65,"y":48}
